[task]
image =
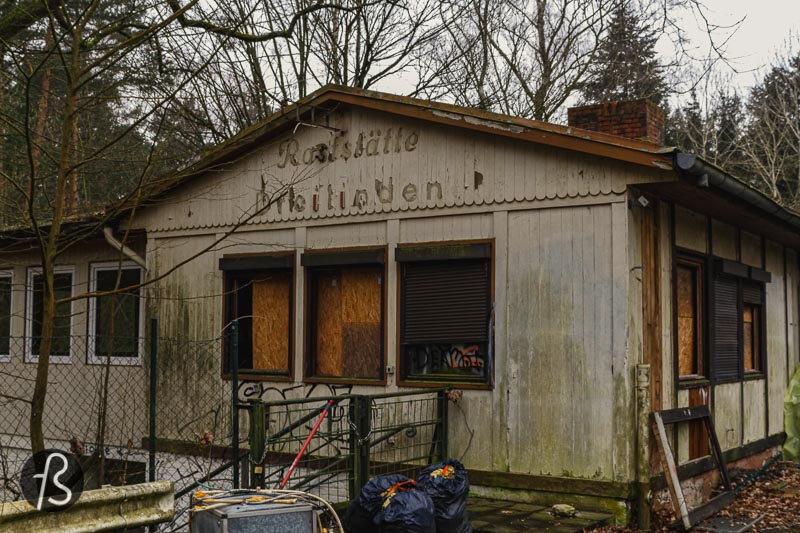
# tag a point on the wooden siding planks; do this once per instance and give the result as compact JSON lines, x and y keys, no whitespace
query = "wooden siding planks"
{"x":723,"y":240}
{"x":560,"y":342}
{"x":728,"y":414}
{"x":754,"y":422}
{"x":446,"y":167}
{"x":690,"y":230}
{"x":751,"y":246}
{"x":777,"y":372}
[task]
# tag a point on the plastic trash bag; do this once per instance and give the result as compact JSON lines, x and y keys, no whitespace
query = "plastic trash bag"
{"x":447,"y":484}
{"x":407,"y":511}
{"x":791,"y":418}
{"x":361,"y":511}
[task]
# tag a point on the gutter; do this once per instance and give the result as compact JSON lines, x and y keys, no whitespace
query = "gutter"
{"x":108,"y":233}
{"x":709,"y":175}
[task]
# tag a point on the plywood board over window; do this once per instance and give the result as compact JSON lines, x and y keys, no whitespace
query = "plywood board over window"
{"x":347,"y":321}
{"x":271,"y":315}
{"x":689,"y":285}
{"x":259,"y":293}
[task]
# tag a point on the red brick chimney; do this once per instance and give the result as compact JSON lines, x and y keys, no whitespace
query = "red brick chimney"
{"x":635,"y":119}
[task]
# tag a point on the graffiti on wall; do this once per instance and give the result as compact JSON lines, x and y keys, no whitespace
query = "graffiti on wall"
{"x":467,"y":359}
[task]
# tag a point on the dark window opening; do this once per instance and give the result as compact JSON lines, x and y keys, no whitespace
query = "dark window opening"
{"x":263,"y":304}
{"x":62,"y":284}
{"x":117,"y":317}
{"x":445,"y":313}
{"x":5,"y":315}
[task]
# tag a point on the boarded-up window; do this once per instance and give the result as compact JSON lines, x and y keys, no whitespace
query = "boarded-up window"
{"x":345,"y":329}
{"x":262,"y":303}
{"x":445,"y":319}
{"x":752,"y":326}
{"x":691,"y":321}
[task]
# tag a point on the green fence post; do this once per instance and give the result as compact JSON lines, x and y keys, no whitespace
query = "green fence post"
{"x":359,"y":438}
{"x":235,"y":399}
{"x":258,"y":439}
{"x":153,"y":382}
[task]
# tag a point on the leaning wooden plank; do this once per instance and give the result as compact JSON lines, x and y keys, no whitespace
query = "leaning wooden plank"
{"x":711,"y":507}
{"x":684,"y":414}
{"x":671,"y":472}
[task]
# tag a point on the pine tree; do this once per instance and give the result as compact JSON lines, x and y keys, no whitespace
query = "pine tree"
{"x":627,"y":66}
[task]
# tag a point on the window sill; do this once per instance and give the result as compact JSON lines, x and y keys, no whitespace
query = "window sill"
{"x":257,"y":376}
{"x":323,"y":380}
{"x":754,"y":376}
{"x":693,"y":382}
{"x":466,"y":385}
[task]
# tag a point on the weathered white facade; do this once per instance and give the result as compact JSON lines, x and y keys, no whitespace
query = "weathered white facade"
{"x":567,"y":261}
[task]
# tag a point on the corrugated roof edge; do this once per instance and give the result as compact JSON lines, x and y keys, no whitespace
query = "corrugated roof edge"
{"x":710,"y":175}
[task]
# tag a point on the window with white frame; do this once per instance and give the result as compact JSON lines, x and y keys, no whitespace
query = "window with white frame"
{"x":116,"y":320}
{"x":6,"y":281}
{"x":61,"y":349}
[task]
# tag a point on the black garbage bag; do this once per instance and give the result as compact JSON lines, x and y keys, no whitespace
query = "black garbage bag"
{"x":361,"y":511}
{"x":447,"y":484}
{"x":406,"y":511}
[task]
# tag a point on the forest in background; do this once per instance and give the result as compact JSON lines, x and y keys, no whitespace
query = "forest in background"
{"x":156,"y":82}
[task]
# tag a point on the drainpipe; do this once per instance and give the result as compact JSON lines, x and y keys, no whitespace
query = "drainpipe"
{"x":643,"y":448}
{"x":710,"y":176}
{"x":108,"y":233}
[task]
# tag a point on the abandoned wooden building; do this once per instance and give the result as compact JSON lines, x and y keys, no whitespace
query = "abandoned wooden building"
{"x":384,"y":243}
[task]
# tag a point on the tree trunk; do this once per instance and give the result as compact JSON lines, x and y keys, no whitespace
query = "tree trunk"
{"x":49,"y":249}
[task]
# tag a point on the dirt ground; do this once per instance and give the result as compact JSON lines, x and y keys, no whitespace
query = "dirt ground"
{"x":775,"y":495}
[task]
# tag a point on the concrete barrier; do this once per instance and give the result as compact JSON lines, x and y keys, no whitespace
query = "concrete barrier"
{"x":105,"y":509}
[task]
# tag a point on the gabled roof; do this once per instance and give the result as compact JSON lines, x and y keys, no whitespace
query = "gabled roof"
{"x":544,"y":133}
{"x":695,"y":173}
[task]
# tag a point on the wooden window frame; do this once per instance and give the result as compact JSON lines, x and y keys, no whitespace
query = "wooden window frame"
{"x":91,"y":357}
{"x":760,"y":330}
{"x":252,"y":265}
{"x":752,"y":276}
{"x":9,"y":275}
{"x":702,"y":329}
{"x":29,"y":357}
{"x":715,"y":267}
{"x":355,"y":256}
{"x":402,"y":381}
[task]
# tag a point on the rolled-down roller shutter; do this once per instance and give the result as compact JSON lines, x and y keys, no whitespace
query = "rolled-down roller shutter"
{"x":726,"y":329}
{"x":445,"y":301}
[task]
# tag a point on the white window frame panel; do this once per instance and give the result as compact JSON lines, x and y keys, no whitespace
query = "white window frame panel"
{"x":29,"y":356}
{"x":6,"y":273}
{"x":92,"y":357}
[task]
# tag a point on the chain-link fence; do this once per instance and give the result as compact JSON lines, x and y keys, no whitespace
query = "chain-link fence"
{"x":103,"y":396}
{"x":95,"y":407}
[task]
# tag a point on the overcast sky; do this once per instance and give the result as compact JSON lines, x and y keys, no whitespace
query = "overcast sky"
{"x":767,"y":25}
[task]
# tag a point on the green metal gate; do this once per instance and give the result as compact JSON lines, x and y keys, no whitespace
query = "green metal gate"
{"x":362,"y":436}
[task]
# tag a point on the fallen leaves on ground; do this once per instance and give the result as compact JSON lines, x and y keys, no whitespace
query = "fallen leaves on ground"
{"x":775,"y":495}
